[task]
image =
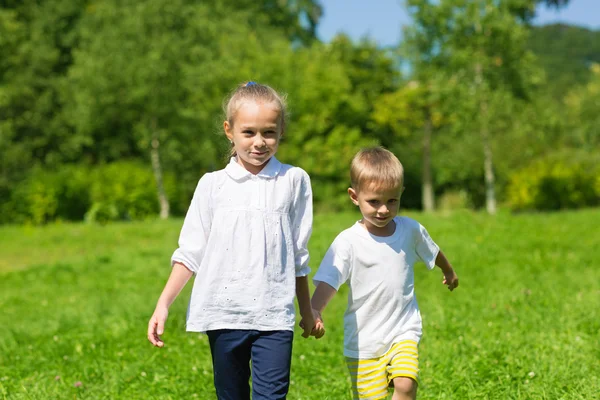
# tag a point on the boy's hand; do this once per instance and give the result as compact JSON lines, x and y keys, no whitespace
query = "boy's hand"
{"x":156,"y":326}
{"x":319,"y":330}
{"x":450,"y":279}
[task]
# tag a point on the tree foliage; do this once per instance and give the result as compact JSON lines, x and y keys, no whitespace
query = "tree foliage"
{"x":89,"y":86}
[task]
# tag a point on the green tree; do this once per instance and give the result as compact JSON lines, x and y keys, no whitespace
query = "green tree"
{"x":36,"y":39}
{"x":481,"y":46}
{"x":129,"y":88}
{"x":567,"y":60}
{"x":582,"y":109}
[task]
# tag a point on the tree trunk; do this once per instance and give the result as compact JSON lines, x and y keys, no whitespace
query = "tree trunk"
{"x":427,"y":190}
{"x":488,"y":164}
{"x":157,"y":169}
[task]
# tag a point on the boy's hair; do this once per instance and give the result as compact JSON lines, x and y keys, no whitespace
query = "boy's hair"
{"x":376,"y":168}
{"x":257,"y":92}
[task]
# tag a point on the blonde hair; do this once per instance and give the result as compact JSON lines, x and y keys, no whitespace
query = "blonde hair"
{"x":257,"y":92}
{"x":376,"y":168}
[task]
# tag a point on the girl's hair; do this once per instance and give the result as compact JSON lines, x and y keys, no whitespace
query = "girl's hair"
{"x":376,"y":168}
{"x":255,"y":92}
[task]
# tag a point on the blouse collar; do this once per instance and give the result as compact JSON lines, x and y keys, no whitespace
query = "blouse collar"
{"x":237,"y":172}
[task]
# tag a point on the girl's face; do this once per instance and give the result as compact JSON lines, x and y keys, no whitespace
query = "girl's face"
{"x":255,"y":134}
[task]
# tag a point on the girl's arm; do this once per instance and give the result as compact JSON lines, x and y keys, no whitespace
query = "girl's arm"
{"x":180,"y":275}
{"x":303,"y":294}
{"x":450,"y":277}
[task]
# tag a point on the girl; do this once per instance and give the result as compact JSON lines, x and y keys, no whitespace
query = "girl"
{"x":245,"y":238}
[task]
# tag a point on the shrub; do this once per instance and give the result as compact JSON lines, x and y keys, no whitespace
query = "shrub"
{"x":122,"y":191}
{"x":559,"y":181}
{"x":117,"y":191}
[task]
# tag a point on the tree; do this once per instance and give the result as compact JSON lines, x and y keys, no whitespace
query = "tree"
{"x":480,"y":46}
{"x":567,"y":61}
{"x":128,"y":92}
{"x":412,"y":108}
{"x":582,"y":106}
{"x":297,"y":19}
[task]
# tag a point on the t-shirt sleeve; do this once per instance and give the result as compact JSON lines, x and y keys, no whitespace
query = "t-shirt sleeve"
{"x":336,"y":265}
{"x":426,"y":248}
{"x":196,"y":228}
{"x":302,"y":219}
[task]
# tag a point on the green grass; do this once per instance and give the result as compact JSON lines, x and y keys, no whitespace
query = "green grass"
{"x":524,"y":323}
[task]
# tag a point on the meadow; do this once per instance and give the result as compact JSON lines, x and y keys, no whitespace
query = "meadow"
{"x":524,"y":323}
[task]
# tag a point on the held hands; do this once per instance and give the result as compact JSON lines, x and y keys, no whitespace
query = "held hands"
{"x":156,"y":326}
{"x":450,"y":279}
{"x":313,"y":325}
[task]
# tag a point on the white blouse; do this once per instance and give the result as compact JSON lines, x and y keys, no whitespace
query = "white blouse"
{"x":245,"y":238}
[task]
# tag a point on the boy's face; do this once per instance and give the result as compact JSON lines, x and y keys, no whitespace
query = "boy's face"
{"x":378,"y":207}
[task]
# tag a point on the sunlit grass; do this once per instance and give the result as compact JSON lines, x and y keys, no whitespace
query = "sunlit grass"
{"x":524,"y":324}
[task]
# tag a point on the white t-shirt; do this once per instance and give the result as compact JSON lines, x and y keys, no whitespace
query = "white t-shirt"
{"x":245,"y":237}
{"x":382,"y":307}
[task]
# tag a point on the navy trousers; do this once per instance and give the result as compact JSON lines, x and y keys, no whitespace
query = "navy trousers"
{"x":270,"y":353}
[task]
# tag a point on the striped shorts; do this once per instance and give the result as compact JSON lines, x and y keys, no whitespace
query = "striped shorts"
{"x":372,"y":377}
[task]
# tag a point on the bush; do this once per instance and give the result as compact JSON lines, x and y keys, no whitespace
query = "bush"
{"x":34,"y":200}
{"x":117,"y":191}
{"x":122,"y":191}
{"x":559,"y":181}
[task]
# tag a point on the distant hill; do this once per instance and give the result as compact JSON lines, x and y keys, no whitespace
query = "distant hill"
{"x":566,"y":53}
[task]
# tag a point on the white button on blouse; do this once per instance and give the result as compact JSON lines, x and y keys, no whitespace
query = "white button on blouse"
{"x":245,"y":238}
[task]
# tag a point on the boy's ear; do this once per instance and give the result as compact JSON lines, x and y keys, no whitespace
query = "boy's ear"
{"x":228,"y":130}
{"x":353,"y":196}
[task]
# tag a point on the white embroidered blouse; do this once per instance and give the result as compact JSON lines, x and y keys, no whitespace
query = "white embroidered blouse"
{"x":245,"y":238}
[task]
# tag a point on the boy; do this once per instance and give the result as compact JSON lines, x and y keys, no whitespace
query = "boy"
{"x":375,"y":257}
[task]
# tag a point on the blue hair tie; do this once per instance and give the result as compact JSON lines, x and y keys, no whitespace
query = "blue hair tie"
{"x":251,"y":83}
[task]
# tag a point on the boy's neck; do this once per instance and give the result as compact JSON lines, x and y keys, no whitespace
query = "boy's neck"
{"x":383,"y":231}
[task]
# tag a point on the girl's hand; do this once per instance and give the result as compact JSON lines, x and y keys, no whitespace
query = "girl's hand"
{"x":450,"y":280}
{"x":307,"y":323}
{"x":318,"y":328}
{"x":156,"y":326}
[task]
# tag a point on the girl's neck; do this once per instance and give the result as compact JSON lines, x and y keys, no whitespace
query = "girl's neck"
{"x":253,"y":169}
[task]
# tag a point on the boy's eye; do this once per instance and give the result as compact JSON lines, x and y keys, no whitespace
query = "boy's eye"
{"x":373,"y":202}
{"x":247,"y":132}
{"x":393,"y":201}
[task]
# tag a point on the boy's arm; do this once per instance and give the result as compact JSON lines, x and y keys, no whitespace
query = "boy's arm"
{"x":180,"y":275}
{"x":450,"y":277}
{"x":321,"y":297}
{"x":303,"y":294}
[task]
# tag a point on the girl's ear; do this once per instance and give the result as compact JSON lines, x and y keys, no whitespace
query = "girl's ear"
{"x":228,"y":131}
{"x":353,"y":196}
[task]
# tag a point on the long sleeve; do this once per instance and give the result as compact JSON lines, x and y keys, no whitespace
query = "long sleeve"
{"x":196,"y":227}
{"x":302,"y":219}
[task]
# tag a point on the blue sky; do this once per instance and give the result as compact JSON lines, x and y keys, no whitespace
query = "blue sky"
{"x":381,"y":20}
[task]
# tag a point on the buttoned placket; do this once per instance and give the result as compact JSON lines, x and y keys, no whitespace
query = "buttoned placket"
{"x":256,"y":198}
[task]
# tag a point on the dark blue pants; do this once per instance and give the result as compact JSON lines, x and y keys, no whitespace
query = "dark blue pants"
{"x":271,"y":355}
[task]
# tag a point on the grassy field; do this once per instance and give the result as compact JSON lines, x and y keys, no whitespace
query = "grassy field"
{"x":524,"y":323}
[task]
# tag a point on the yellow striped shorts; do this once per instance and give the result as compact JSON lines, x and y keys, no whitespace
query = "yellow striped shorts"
{"x":372,"y":377}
